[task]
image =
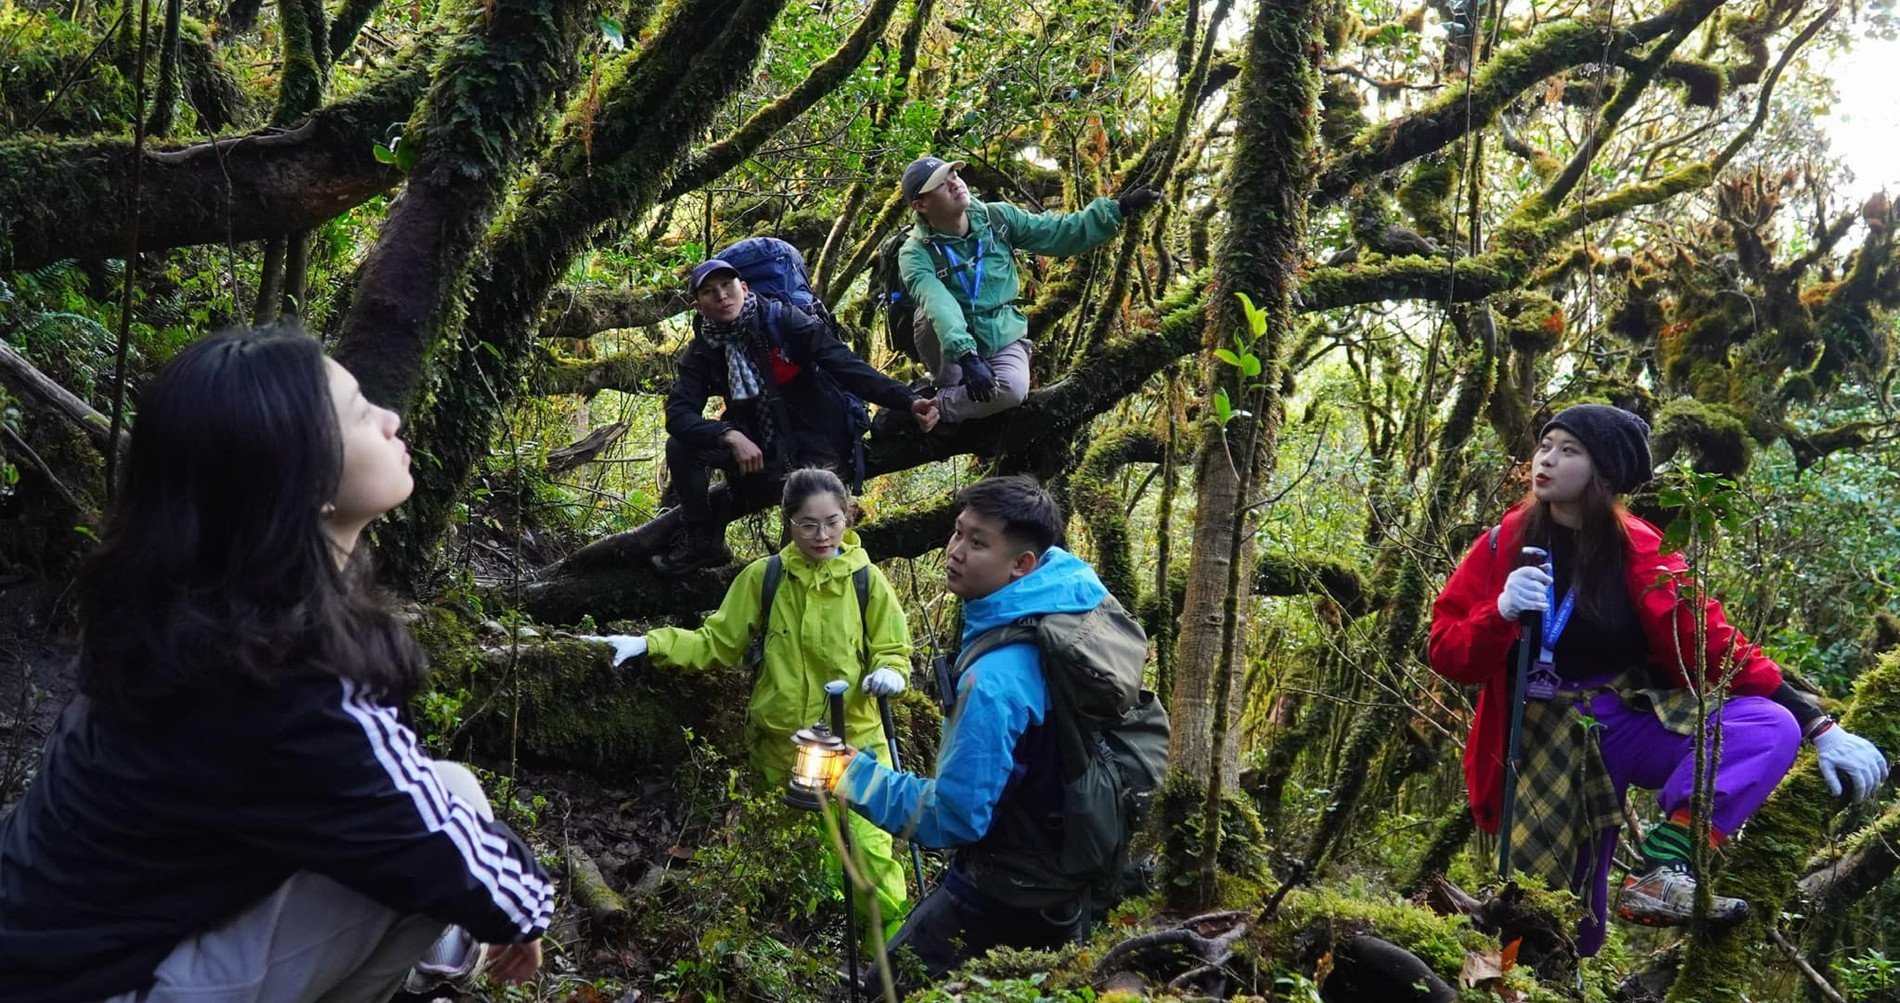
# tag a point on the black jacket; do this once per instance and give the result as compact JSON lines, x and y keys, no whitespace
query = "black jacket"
{"x":803,"y":376}
{"x":133,"y":837}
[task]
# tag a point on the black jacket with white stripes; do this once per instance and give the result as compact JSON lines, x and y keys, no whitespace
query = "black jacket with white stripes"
{"x":132,"y":838}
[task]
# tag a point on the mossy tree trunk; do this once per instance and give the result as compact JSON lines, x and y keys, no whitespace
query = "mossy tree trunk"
{"x":1268,"y":184}
{"x":481,"y":114}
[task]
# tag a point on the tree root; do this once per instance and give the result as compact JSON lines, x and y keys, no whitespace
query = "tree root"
{"x":1209,"y":938}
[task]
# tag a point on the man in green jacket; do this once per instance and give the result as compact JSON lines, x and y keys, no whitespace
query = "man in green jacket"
{"x":959,"y":265}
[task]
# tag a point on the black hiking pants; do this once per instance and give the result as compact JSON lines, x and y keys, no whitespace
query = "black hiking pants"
{"x":690,"y":468}
{"x":956,"y":922}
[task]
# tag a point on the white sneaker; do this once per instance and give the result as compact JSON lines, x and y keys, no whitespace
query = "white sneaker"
{"x":455,"y":957}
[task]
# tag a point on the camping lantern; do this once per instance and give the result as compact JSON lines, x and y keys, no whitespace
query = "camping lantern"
{"x":818,"y":748}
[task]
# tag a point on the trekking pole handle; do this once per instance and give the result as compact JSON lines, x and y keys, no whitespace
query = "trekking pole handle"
{"x":834,"y":698}
{"x":1532,"y":623}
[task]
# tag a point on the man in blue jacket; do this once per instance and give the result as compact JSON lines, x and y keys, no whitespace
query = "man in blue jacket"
{"x":997,"y":796}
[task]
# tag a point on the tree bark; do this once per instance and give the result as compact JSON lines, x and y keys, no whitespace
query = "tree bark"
{"x":1266,"y":192}
{"x":482,"y":113}
{"x":65,"y":199}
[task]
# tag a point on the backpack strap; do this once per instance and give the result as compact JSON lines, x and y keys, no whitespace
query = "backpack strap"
{"x":861,"y":584}
{"x":768,"y":590}
{"x":769,"y":320}
{"x":997,"y":227}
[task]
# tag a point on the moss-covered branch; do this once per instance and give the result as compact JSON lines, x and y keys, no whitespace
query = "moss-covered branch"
{"x":649,"y":372}
{"x":583,"y":313}
{"x":1094,"y":502}
{"x":1310,"y":574}
{"x":1520,"y":247}
{"x":824,"y":78}
{"x":68,"y":198}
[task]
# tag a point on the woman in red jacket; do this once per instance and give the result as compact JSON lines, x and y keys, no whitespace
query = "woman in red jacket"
{"x":1609,"y":699}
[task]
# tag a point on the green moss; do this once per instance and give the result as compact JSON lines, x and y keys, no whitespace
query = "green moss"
{"x":560,"y":701}
{"x":1439,"y":941}
{"x":1715,"y":434}
{"x":1425,"y":192}
{"x":1241,"y":858}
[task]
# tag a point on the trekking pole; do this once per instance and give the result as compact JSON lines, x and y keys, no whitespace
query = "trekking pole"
{"x":834,"y":694}
{"x":1530,"y":638}
{"x":890,"y":735}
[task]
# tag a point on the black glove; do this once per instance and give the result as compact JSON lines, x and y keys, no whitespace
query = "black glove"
{"x":1136,"y":201}
{"x":979,"y":380}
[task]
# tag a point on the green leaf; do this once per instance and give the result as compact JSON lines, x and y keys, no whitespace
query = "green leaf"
{"x":611,"y":31}
{"x":1228,"y":357}
{"x":1250,"y":364}
{"x":383,"y":154}
{"x":405,"y":156}
{"x":1256,"y":317}
{"x":1223,"y":408}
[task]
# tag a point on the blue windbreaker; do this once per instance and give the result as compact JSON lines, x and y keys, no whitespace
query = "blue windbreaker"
{"x":998,"y":698}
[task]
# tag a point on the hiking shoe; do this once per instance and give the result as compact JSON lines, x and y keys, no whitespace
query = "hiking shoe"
{"x":690,"y":551}
{"x":1664,"y":895}
{"x":453,"y":959}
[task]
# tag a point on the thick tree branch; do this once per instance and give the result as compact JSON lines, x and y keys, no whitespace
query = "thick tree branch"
{"x":67,"y":199}
{"x":826,"y":77}
{"x":649,"y":372}
{"x":583,"y":313}
{"x":1308,"y":574}
{"x":1518,"y":249}
{"x":611,"y":578}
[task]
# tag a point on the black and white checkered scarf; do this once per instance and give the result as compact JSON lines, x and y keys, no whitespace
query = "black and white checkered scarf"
{"x":742,"y":376}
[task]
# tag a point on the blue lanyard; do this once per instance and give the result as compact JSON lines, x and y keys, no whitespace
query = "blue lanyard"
{"x":971,"y":279}
{"x":1555,"y":621}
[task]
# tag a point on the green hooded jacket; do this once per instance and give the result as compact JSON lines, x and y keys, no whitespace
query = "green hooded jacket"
{"x":815,"y":638}
{"x":993,"y":321}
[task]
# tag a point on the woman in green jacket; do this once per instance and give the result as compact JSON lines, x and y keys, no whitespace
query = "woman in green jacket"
{"x":816,"y":634}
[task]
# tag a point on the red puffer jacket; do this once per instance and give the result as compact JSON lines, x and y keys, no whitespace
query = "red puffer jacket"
{"x":1471,"y":643}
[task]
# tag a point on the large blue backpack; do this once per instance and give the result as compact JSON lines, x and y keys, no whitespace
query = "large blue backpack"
{"x":775,"y":270}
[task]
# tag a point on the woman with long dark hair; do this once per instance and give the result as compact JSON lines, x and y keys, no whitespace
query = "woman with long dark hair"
{"x":832,"y":615}
{"x":1608,"y":702}
{"x":231,"y":809}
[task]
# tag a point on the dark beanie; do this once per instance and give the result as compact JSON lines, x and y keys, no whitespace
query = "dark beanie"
{"x":1618,"y":442}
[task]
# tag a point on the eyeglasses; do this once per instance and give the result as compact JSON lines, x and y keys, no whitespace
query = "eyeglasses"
{"x":810,"y":527}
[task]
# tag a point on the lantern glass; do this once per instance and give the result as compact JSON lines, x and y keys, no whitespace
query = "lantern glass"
{"x":811,"y":771}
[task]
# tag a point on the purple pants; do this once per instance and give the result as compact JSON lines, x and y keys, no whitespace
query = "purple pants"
{"x":1759,"y":741}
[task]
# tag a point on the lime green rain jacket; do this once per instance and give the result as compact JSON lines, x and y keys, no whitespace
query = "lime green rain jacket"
{"x":991,"y":320}
{"x":815,"y":637}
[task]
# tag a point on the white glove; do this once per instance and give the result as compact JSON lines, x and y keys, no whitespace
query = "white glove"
{"x":885,"y":683}
{"x":1527,"y":590}
{"x":625,"y":645}
{"x":1844,"y":754}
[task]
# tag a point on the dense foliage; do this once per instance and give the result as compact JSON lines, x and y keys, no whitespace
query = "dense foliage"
{"x":486,"y":210}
